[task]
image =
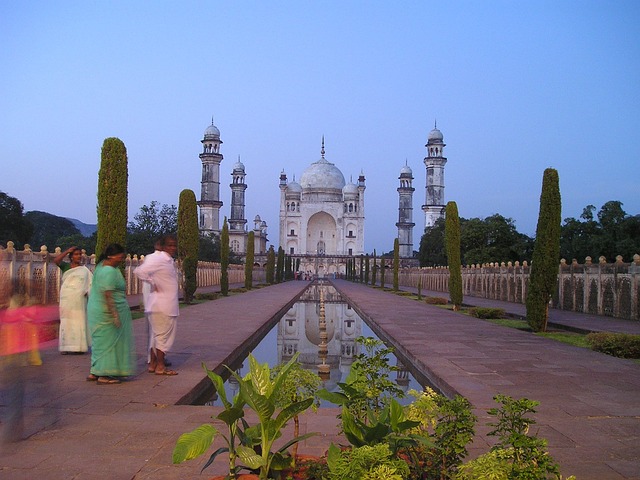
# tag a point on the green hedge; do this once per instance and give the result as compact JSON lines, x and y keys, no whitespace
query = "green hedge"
{"x":621,"y":345}
{"x":436,"y":300}
{"x":487,"y":312}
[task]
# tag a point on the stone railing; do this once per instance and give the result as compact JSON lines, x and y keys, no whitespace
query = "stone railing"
{"x":36,"y":274}
{"x":602,"y":288}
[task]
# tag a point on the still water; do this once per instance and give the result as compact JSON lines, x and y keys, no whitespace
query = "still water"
{"x":301,"y":330}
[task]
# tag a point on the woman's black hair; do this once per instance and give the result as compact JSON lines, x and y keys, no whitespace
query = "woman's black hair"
{"x":112,"y":249}
{"x":74,"y":251}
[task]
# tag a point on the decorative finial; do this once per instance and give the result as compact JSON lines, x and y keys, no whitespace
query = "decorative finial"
{"x":322,"y":150}
{"x":406,"y":162}
{"x":211,"y":119}
{"x":435,"y":124}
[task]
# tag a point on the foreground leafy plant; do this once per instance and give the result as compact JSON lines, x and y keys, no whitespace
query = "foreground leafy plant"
{"x":517,"y":455}
{"x":365,"y":463}
{"x":251,"y":446}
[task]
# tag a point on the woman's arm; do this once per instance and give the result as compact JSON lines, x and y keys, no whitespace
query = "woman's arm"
{"x":60,"y":257}
{"x":111,"y":306}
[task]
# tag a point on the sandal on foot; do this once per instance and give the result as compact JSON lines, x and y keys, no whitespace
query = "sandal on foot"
{"x":92,"y":378}
{"x":108,"y":381}
{"x":167,"y":372}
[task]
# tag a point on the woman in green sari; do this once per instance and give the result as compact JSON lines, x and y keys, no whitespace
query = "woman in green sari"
{"x":109,"y":321}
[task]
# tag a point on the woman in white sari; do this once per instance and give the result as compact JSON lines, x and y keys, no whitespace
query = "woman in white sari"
{"x":76,"y":284}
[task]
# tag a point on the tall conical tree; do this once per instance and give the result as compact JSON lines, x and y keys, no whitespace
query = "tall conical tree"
{"x":224,"y":258}
{"x":112,"y":195}
{"x":374,"y":272}
{"x":248,"y":263}
{"x":188,"y":241}
{"x":271,"y":265}
{"x":543,"y":279}
{"x":396,"y":265}
{"x":452,"y":245}
{"x":382,"y":271}
{"x":280,"y":266}
{"x":361,"y":279}
{"x":367,"y":267}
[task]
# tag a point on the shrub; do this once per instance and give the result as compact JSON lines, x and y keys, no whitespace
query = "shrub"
{"x":487,"y":312}
{"x":436,"y":300}
{"x":621,"y":345}
{"x":403,"y":293}
{"x":207,"y":296}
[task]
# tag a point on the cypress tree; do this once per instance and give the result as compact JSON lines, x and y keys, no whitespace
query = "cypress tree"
{"x":280,"y":265}
{"x":288,"y":263}
{"x":382,"y":269}
{"x":396,"y":265}
{"x":271,"y":265}
{"x":188,"y":241}
{"x":248,"y":263}
{"x":374,"y":273}
{"x":366,"y":269}
{"x":361,"y":269}
{"x":452,"y":245}
{"x":543,"y":279}
{"x":224,"y":258}
{"x":112,"y":195}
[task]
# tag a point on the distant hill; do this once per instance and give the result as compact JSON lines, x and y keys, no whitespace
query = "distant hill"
{"x":85,"y":228}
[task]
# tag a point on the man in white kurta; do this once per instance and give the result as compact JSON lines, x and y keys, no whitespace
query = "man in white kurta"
{"x":158,"y":269}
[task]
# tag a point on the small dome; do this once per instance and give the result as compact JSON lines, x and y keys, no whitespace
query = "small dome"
{"x":238,"y":166}
{"x":350,"y":189}
{"x":212,"y":131}
{"x":257,"y":219}
{"x":322,"y":175}
{"x":406,"y":170}
{"x":435,"y":136}
{"x":294,"y":187}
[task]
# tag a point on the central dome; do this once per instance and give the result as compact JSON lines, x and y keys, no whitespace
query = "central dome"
{"x":322,"y":175}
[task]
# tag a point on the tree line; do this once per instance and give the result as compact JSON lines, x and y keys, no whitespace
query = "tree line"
{"x":609,"y":232}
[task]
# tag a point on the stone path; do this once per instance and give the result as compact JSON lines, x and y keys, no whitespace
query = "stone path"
{"x":589,"y":408}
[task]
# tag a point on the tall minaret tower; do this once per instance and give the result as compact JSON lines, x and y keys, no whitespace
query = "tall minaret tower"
{"x":435,"y":162}
{"x":237,"y":220}
{"x":210,"y":191}
{"x":405,"y":212}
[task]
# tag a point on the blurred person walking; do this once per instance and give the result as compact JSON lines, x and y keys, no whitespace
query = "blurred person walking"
{"x":76,"y":284}
{"x":109,"y":319}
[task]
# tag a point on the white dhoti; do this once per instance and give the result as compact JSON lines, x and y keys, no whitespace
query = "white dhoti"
{"x":163,"y":331}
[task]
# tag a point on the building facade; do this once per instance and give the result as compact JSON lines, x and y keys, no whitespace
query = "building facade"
{"x":210,"y":185}
{"x":322,"y":217}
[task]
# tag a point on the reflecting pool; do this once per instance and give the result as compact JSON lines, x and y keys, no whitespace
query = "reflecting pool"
{"x":323,"y":328}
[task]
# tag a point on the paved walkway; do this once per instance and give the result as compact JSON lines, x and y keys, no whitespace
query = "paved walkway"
{"x":589,"y":402}
{"x":589,"y":408}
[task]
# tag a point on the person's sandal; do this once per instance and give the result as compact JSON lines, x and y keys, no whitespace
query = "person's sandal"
{"x":167,"y":372}
{"x":108,"y":381}
{"x":92,"y":378}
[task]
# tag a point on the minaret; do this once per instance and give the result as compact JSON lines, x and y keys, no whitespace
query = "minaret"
{"x":238,"y":187}
{"x":405,"y":212}
{"x":210,"y":186}
{"x":435,"y":162}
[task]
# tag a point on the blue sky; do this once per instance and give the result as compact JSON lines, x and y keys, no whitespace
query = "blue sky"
{"x":515,"y":86}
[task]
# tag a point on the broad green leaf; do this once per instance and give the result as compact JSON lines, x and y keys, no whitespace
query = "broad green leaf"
{"x":194,"y":443}
{"x":291,"y":411}
{"x":231,"y":415}
{"x":260,"y":376}
{"x":297,"y":439}
{"x":218,"y":384}
{"x":249,"y":457}
{"x":333,"y":397}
